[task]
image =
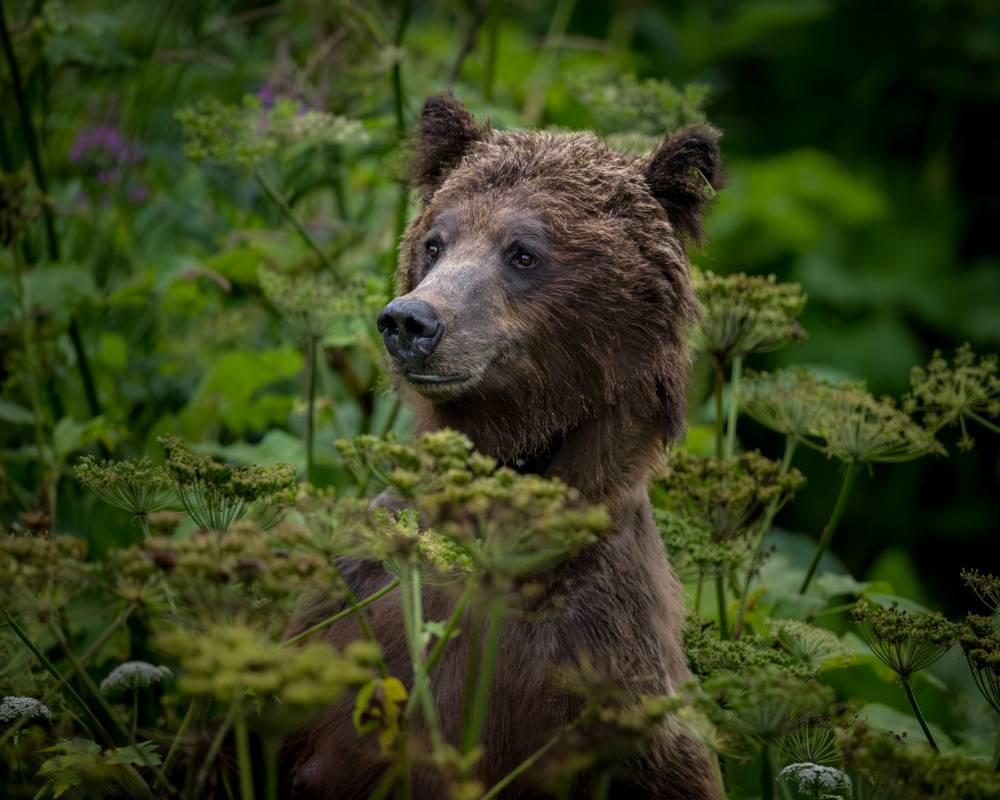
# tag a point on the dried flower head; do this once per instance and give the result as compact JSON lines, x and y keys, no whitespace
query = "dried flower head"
{"x":216,"y":495}
{"x":904,"y":642}
{"x":818,"y":781}
{"x":949,"y":394}
{"x":812,"y":646}
{"x":981,"y":645}
{"x":133,"y":675}
{"x":225,"y":661}
{"x":857,"y":428}
{"x":732,"y":496}
{"x":747,"y":313}
{"x":244,"y":135}
{"x":986,"y":586}
{"x":13,"y":708}
{"x":133,"y":485}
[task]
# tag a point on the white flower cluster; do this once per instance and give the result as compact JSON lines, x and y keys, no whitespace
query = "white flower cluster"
{"x":133,"y":675}
{"x":813,"y":778}
{"x":13,"y":708}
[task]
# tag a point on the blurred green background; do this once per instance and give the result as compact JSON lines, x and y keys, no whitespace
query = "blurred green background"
{"x":860,"y":150}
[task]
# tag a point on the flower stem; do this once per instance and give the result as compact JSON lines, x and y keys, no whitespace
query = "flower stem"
{"x":365,"y":627}
{"x":198,"y":706}
{"x":983,"y":421}
{"x":720,"y":599}
{"x":339,"y":616}
{"x":243,"y":757}
{"x":850,"y":473}
{"x":766,"y":774}
{"x":309,"y":423}
{"x":475,"y":711}
{"x":916,"y":710}
{"x":506,"y":780}
{"x":734,"y":389}
{"x":288,"y":212}
{"x":996,"y":754}
{"x":720,"y":380}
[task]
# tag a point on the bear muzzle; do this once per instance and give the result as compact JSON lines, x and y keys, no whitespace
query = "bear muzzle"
{"x":412,"y":330}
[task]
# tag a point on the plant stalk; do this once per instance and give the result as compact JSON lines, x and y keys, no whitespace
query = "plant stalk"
{"x":339,"y":616}
{"x":916,"y":710}
{"x":289,"y":214}
{"x":850,"y":473}
{"x":243,"y":757}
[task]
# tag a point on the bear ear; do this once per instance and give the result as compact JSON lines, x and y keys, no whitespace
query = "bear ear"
{"x":447,"y":132}
{"x":684,"y":174}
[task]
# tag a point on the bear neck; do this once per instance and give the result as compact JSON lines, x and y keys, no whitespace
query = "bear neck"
{"x":607,"y":458}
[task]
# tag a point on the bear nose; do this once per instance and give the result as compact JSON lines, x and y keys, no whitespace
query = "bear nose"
{"x":410,"y":328}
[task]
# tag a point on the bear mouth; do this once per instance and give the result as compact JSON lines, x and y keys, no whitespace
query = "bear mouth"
{"x":433,"y":380}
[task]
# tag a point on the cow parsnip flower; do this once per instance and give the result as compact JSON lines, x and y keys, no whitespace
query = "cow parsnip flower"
{"x":216,"y":495}
{"x":133,"y":675}
{"x":810,"y":739}
{"x":732,"y":496}
{"x":136,"y":486}
{"x":981,"y":644}
{"x":711,"y":656}
{"x":986,"y":586}
{"x":31,"y":564}
{"x":692,"y":549}
{"x":812,"y":646}
{"x":818,"y":781}
{"x":904,"y":642}
{"x":950,"y":394}
{"x":788,"y":402}
{"x":747,"y":313}
{"x":13,"y":708}
{"x":225,"y":661}
{"x":858,"y":428}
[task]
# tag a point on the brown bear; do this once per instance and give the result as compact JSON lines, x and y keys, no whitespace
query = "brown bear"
{"x":545,"y":300}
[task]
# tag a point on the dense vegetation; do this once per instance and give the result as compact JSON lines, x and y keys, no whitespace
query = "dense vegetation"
{"x":199,"y":210}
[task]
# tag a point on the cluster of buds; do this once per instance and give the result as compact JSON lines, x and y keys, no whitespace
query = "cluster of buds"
{"x":227,"y":661}
{"x":734,"y":496}
{"x":981,"y":644}
{"x":138,"y":487}
{"x":711,"y":656}
{"x":30,"y":564}
{"x":245,"y":135}
{"x":904,"y":642}
{"x":747,"y":314}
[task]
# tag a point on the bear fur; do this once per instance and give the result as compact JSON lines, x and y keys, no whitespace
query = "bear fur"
{"x":559,"y":297}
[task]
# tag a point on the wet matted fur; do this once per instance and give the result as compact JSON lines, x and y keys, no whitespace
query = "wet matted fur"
{"x":557,"y":271}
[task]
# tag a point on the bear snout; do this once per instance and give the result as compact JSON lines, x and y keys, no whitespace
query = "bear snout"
{"x":411,"y":330}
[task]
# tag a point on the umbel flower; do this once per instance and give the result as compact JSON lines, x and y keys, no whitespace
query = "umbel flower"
{"x":216,"y":495}
{"x":313,"y":304}
{"x":812,"y":646}
{"x":225,"y":661}
{"x":981,"y":645}
{"x":950,"y":394}
{"x":30,"y":564}
{"x":134,"y":486}
{"x":747,"y":313}
{"x":711,"y":656}
{"x":244,"y":135}
{"x":13,"y":708}
{"x":857,"y":428}
{"x":732,"y":496}
{"x":133,"y":675}
{"x":692,"y":549}
{"x":810,"y":739}
{"x":818,"y":781}
{"x":986,"y":586}
{"x":788,"y":402}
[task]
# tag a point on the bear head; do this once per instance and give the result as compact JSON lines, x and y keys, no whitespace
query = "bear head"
{"x":544,"y":282}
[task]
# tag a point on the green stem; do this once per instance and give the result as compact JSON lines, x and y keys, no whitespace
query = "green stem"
{"x":850,"y":472}
{"x":720,"y":599}
{"x":766,"y":774}
{"x":511,"y":776}
{"x":339,"y":616}
{"x":996,"y":754}
{"x":406,"y":8}
{"x":441,"y":643}
{"x":270,"y":768}
{"x":365,"y":627}
{"x":983,"y":421}
{"x":135,"y":711}
{"x":602,"y":786}
{"x":492,"y":40}
{"x":213,"y":750}
{"x":198,"y":706}
{"x":61,"y":680}
{"x":734,"y":390}
{"x":31,"y":146}
{"x":916,"y":710}
{"x":720,"y":380}
{"x":413,"y":620}
{"x":243,"y":757}
{"x":472,"y":732}
{"x":102,"y":701}
{"x":309,"y":422}
{"x":296,"y":221}
{"x":541,"y":77}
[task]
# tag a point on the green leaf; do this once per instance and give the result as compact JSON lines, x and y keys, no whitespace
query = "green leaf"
{"x":132,"y":755}
{"x":15,"y":414}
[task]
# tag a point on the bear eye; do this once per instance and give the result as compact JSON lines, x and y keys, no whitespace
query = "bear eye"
{"x":433,"y":251}
{"x":525,"y":260}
